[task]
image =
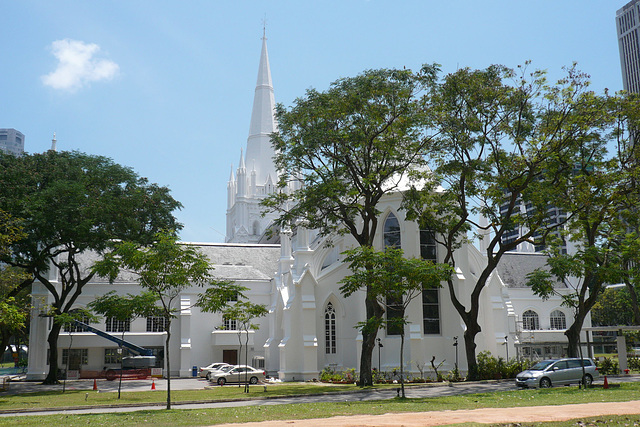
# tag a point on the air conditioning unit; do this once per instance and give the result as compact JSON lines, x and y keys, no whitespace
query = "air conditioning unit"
{"x":257,"y":362}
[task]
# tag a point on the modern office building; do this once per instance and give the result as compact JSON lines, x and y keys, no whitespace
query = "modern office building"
{"x":12,"y":141}
{"x":628,"y":27}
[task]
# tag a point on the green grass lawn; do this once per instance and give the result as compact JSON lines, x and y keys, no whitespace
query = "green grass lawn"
{"x":198,"y":417}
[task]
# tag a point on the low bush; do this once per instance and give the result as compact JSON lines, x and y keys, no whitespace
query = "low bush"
{"x":608,"y":366}
{"x":491,"y":367}
{"x":330,"y":374}
{"x":634,"y":363}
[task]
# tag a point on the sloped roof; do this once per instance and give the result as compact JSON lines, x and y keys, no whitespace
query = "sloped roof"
{"x":514,"y":267}
{"x":230,"y":260}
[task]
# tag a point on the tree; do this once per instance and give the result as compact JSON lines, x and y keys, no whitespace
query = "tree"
{"x":613,"y":308}
{"x":394,"y":281}
{"x":340,"y":151}
{"x":165,"y":268}
{"x":73,"y":203}
{"x":14,"y":304}
{"x":125,"y":309}
{"x":243,"y":313}
{"x":505,"y":146}
{"x":596,"y":198}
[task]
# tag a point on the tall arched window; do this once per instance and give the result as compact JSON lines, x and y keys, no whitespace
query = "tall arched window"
{"x":558,"y":320}
{"x":330,"y":344}
{"x":530,"y":321}
{"x":392,"y":232}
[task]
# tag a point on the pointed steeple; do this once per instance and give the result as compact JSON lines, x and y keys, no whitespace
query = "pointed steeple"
{"x":53,"y":142}
{"x":263,"y":123}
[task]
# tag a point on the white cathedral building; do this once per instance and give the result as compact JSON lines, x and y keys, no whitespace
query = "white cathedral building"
{"x":310,"y":325}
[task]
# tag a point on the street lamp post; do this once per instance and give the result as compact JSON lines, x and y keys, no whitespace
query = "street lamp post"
{"x":379,"y":347}
{"x":506,"y":345}
{"x":455,"y":344}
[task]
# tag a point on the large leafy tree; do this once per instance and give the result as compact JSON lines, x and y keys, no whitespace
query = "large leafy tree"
{"x":603,"y":228}
{"x":395,"y":281}
{"x":340,"y":151}
{"x":506,"y":146}
{"x":72,"y":203}
{"x":165,"y":268}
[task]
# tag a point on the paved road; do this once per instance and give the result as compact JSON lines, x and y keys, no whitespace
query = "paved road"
{"x":194,"y":383}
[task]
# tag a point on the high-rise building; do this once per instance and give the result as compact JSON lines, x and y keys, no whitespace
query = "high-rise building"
{"x":628,"y":27}
{"x":12,"y":141}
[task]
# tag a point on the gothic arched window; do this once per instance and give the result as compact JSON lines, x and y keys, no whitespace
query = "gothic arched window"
{"x":530,"y":321}
{"x":330,"y":344}
{"x":391,"y":232}
{"x":558,"y":320}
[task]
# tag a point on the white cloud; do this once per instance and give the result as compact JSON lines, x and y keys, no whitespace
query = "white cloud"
{"x":77,"y":65}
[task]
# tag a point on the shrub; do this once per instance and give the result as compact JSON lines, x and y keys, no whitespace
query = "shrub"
{"x":608,"y":366}
{"x":490,"y":367}
{"x":634,"y":363}
{"x":329,"y":374}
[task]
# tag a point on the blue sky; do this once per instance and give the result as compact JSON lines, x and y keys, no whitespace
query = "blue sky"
{"x":166,"y":87}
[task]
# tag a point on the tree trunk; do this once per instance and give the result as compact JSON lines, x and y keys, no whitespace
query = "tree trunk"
{"x":373,"y":310}
{"x":473,"y":328}
{"x":634,"y":302}
{"x":166,"y":351}
{"x":52,"y":339}
{"x":402,"y":361}
{"x":573,"y":336}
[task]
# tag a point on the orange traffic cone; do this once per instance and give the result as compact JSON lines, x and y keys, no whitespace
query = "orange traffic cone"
{"x":153,"y":385}
{"x":95,"y":385}
{"x":606,"y":383}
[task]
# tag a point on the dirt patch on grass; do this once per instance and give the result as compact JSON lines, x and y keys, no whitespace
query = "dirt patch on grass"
{"x":484,"y":415}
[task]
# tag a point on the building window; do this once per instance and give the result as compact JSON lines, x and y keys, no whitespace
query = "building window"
{"x":75,"y":357}
{"x":391,"y":233}
{"x":428,"y":245}
{"x":394,"y":308}
{"x":230,"y":324}
{"x":157,"y":324}
{"x":76,"y":328}
{"x":111,"y":356}
{"x":430,"y":311}
{"x":530,"y":321}
{"x":558,"y":320}
{"x":114,"y":325}
{"x":330,"y":344}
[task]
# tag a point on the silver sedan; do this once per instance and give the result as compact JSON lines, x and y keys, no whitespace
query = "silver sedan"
{"x":238,"y":374}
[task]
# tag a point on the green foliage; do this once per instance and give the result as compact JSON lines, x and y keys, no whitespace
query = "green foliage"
{"x":165,"y":268}
{"x":608,"y":366}
{"x":613,"y":307}
{"x":329,"y":374}
{"x":634,"y":363}
{"x":350,"y":145}
{"x":389,"y":275}
{"x":129,"y":307}
{"x":491,"y":367}
{"x":71,"y":204}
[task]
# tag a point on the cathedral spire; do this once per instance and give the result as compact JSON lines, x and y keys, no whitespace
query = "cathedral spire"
{"x":263,"y":123}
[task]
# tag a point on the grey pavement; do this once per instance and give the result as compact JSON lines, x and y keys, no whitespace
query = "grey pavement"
{"x":431,"y":390}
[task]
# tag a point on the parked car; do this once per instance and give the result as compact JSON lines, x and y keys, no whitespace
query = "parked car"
{"x":238,"y":374}
{"x":548,"y":373}
{"x":203,"y":372}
